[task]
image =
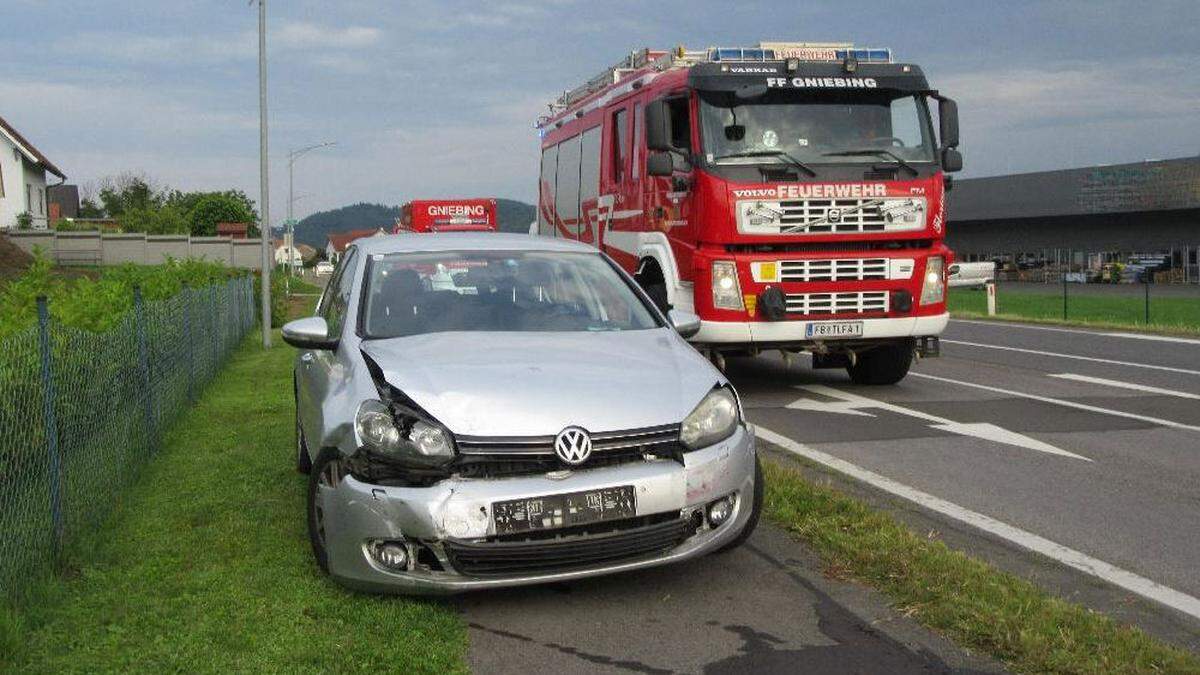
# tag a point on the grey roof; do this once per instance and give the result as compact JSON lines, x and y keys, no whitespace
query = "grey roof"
{"x":466,"y":241}
{"x":1162,"y":185}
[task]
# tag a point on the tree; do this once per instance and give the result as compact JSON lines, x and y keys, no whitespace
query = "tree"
{"x":165,"y":220}
{"x":129,"y":191}
{"x":218,"y":207}
{"x":90,"y":209}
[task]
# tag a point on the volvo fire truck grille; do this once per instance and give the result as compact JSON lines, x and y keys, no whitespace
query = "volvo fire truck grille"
{"x":845,"y":269}
{"x":865,"y":302}
{"x":832,"y":216}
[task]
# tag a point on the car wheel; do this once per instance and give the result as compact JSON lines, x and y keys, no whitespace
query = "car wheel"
{"x":887,"y":364}
{"x":326,"y":474}
{"x":755,"y":511}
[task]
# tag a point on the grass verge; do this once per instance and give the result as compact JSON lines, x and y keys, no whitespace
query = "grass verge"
{"x":205,"y":563}
{"x":973,"y":603}
{"x":1175,"y":315}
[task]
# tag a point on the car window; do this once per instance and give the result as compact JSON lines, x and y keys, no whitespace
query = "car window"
{"x":337,"y":295}
{"x":508,"y":291}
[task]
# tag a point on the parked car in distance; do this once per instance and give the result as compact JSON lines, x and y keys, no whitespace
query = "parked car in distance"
{"x":323,"y":268}
{"x":971,"y":274}
{"x":486,"y":410}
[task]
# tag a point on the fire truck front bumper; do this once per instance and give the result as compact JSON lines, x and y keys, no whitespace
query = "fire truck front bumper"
{"x":805,"y":332}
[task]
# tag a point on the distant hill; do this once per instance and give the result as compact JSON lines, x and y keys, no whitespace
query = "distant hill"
{"x":514,"y":216}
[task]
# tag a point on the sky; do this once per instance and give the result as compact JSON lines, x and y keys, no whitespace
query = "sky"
{"x":438,"y":98}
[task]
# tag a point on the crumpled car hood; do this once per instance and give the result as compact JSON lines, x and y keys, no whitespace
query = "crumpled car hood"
{"x":536,"y":384}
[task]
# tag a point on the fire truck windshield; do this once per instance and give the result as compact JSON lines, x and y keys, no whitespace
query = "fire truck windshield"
{"x":813,"y":127}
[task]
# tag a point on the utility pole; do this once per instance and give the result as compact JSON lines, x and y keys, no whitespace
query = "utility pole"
{"x":264,"y":189}
{"x":291,"y":222}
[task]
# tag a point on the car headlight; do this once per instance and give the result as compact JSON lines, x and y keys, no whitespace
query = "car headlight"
{"x":933,"y":289}
{"x":712,"y":421}
{"x":401,"y":436}
{"x":727,"y":292}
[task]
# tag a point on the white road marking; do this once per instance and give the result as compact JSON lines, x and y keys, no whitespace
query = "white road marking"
{"x":852,"y":403}
{"x":1130,"y":581}
{"x":1159,"y":338}
{"x":1121,"y":384}
{"x":1061,"y":402}
{"x":1059,"y":355}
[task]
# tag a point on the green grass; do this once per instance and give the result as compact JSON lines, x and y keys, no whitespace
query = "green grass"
{"x":205,"y":564}
{"x":1167,"y":314}
{"x":298,"y":285}
{"x":976,"y":605}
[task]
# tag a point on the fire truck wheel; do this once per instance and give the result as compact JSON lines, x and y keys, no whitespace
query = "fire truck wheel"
{"x":650,"y":278}
{"x":886,"y":364}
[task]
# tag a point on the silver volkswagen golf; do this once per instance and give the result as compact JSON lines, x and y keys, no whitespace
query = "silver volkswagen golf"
{"x":485,"y":410}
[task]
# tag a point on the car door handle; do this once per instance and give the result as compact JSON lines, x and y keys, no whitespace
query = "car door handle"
{"x":306,"y":358}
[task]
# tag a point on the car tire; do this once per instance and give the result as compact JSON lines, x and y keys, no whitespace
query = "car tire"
{"x":327,"y":471}
{"x":755,"y":512}
{"x":887,"y":364}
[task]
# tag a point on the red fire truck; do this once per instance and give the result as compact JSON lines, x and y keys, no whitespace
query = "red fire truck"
{"x":790,"y":194}
{"x":447,"y":215}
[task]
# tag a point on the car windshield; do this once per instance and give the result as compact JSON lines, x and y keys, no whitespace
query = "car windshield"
{"x":814,"y":128}
{"x":418,"y":293}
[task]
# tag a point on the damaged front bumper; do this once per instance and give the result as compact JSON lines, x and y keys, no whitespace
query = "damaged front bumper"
{"x":455,"y":515}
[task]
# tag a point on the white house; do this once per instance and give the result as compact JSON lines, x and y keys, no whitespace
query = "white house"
{"x":281,"y":253}
{"x":23,"y":170}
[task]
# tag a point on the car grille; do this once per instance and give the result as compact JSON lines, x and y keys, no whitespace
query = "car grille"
{"x":573,"y":548}
{"x":481,"y":456}
{"x":842,"y":269}
{"x":865,"y":302}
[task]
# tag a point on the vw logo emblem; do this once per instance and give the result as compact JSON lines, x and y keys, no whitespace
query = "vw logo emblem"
{"x":834,"y":215}
{"x":573,"y":445}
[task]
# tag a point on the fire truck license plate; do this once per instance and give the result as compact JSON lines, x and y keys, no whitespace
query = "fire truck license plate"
{"x":555,"y":511}
{"x":843,"y":329}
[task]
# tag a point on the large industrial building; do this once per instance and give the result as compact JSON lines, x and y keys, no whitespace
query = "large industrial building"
{"x":1082,"y":216}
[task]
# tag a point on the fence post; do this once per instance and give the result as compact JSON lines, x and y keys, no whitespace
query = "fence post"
{"x":187,"y":338}
{"x":1064,"y":298}
{"x":212,"y":327}
{"x":144,"y":366}
{"x":50,"y":422}
{"x":1147,"y":301}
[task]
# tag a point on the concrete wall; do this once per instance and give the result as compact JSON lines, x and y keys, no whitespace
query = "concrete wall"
{"x":92,"y":248}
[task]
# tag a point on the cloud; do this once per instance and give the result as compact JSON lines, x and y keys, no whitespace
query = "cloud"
{"x":303,"y":35}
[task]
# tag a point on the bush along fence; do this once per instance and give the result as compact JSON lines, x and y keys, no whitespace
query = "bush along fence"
{"x":83,"y":409}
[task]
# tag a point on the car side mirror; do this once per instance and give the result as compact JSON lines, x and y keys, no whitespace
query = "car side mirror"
{"x":658,"y":126}
{"x":660,"y":164}
{"x":951,"y":160}
{"x":686,"y":324}
{"x":948,"y":122}
{"x":309,"y":333}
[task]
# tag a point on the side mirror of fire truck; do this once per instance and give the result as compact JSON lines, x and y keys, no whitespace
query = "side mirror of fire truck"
{"x":951,"y":161}
{"x":660,"y":164}
{"x":658,"y":126}
{"x":948,"y":119}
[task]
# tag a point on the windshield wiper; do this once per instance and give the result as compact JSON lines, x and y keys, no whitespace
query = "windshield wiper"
{"x":874,"y":152}
{"x":770,"y":153}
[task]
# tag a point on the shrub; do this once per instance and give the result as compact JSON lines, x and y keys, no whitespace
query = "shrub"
{"x":24,"y":221}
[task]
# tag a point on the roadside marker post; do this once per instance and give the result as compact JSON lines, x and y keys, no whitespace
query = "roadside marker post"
{"x":50,"y":424}
{"x":991,"y":298}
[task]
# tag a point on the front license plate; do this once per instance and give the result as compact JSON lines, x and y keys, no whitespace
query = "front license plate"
{"x":555,"y":511}
{"x":835,"y":329}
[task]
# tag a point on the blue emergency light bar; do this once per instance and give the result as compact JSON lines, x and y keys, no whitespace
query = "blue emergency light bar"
{"x":760,"y":54}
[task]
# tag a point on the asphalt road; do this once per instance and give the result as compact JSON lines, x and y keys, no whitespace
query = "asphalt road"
{"x":1081,"y":445}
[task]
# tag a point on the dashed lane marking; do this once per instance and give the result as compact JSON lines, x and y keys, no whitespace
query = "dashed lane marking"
{"x":1121,"y":384}
{"x":1072,"y":356}
{"x":1062,"y":402}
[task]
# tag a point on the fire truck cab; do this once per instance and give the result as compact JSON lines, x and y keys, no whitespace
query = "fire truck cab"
{"x":790,"y":194}
{"x":447,"y":215}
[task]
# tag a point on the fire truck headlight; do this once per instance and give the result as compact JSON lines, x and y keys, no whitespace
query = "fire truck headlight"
{"x":727,"y":293}
{"x":933,"y":290}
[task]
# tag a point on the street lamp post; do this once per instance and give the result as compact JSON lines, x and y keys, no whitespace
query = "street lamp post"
{"x":264,"y":192}
{"x":291,"y":235}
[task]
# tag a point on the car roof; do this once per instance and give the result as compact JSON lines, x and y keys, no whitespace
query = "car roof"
{"x":466,"y":241}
